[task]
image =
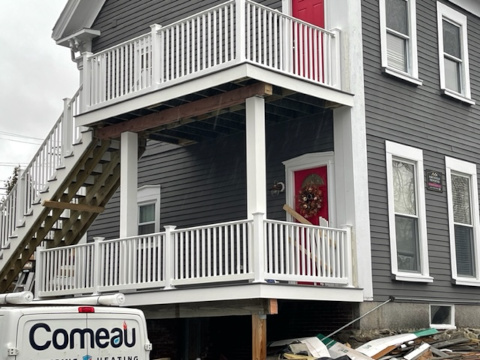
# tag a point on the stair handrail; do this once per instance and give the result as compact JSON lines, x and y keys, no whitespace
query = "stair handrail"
{"x":33,"y":180}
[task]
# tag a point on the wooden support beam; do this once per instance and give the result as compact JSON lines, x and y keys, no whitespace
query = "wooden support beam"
{"x":70,"y":206}
{"x":185,"y":111}
{"x":259,"y":337}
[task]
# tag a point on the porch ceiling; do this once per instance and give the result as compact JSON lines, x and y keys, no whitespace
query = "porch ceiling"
{"x":281,"y":106}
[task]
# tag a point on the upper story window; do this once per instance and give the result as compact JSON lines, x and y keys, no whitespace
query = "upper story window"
{"x":398,"y":37}
{"x":148,"y":199}
{"x":406,"y":210}
{"x":453,"y":53}
{"x":463,"y":221}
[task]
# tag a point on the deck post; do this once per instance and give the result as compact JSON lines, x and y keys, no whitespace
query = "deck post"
{"x":157,"y":57}
{"x":85,"y":98}
{"x":169,"y":259}
{"x":39,"y":272}
{"x":259,"y":337}
{"x":258,"y":248}
{"x":240,"y":29}
{"x":256,"y":156}
{"x":20,"y":205}
{"x":67,"y":129}
{"x":97,"y":264}
{"x":128,"y":184}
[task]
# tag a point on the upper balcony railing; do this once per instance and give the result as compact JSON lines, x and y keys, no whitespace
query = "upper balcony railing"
{"x":238,"y":31}
{"x":255,"y":250}
{"x":34,"y":179}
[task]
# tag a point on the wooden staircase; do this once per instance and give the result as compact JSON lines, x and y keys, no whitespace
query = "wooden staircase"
{"x":64,"y":211}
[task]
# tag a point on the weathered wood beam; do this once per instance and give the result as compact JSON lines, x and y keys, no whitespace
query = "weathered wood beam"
{"x":259,"y":337}
{"x":70,"y":206}
{"x":195,"y":108}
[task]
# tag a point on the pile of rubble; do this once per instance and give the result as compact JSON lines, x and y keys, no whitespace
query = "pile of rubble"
{"x":426,"y":344}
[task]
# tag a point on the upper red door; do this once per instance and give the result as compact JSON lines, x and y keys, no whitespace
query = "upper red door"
{"x":308,"y":43}
{"x":311,"y":11}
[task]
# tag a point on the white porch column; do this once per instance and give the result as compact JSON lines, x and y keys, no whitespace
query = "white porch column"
{"x":256,"y":163}
{"x":128,"y":184}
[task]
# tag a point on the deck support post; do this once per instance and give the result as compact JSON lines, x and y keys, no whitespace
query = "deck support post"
{"x":259,"y":337}
{"x":128,"y":184}
{"x":256,"y":163}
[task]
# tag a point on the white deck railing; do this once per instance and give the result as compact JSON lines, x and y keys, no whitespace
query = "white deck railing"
{"x":243,"y":251}
{"x":35,"y":177}
{"x":235,"y":32}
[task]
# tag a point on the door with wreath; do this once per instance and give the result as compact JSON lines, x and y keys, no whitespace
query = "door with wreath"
{"x":311,"y":194}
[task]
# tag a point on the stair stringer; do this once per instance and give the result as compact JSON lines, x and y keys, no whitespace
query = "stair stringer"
{"x":39,"y":223}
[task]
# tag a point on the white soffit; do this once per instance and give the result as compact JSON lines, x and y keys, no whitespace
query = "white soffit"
{"x":472,"y":6}
{"x":77,"y":15}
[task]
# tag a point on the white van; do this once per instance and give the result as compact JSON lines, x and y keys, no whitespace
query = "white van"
{"x":83,"y":332}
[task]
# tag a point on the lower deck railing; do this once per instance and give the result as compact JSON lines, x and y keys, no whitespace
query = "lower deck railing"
{"x":255,"y":250}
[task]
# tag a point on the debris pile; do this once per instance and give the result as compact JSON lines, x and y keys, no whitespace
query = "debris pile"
{"x":420,"y":345}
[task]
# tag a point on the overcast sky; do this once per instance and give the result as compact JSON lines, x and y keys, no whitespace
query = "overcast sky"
{"x":35,"y":75}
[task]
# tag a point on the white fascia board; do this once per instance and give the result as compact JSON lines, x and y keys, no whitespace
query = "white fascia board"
{"x":472,"y":6}
{"x":77,"y":15}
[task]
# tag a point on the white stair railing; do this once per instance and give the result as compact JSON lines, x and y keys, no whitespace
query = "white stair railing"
{"x":35,"y":177}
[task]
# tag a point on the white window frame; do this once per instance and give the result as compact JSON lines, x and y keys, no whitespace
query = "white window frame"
{"x":409,"y":154}
{"x":446,"y":13}
{"x":146,"y":195}
{"x":411,"y":75}
{"x":463,"y":168}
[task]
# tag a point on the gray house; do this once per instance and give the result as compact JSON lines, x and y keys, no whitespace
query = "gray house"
{"x":253,"y":171}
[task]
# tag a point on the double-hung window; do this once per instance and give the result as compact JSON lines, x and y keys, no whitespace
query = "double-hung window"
{"x":398,"y":37}
{"x":148,"y":199}
{"x":453,"y":53}
{"x":463,"y":221}
{"x":406,"y":210}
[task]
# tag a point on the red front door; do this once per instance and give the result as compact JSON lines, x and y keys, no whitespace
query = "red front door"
{"x":308,"y":54}
{"x":311,"y":193}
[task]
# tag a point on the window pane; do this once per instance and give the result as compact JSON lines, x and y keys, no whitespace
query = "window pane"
{"x":147,"y":213}
{"x":404,"y":188}
{"x":461,"y":200}
{"x":464,"y":250}
{"x":146,"y":229}
{"x":451,"y":39}
{"x":397,"y":52}
{"x":397,"y":15}
{"x":407,"y":243}
{"x":452,"y":75}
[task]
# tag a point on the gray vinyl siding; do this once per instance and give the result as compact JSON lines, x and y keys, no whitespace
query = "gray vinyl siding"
{"x":121,"y":20}
{"x":422,"y":118}
{"x":206,"y":183}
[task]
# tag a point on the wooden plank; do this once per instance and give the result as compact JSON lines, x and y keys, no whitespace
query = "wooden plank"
{"x":296,"y":215}
{"x":185,"y":111}
{"x":70,"y":206}
{"x":259,"y":337}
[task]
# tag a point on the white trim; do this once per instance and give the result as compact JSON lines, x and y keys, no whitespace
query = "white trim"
{"x":446,"y":13}
{"x":410,"y":154}
{"x":310,"y":161}
{"x":464,"y":168}
{"x":411,"y":75}
{"x":150,"y":194}
{"x":77,"y":15}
